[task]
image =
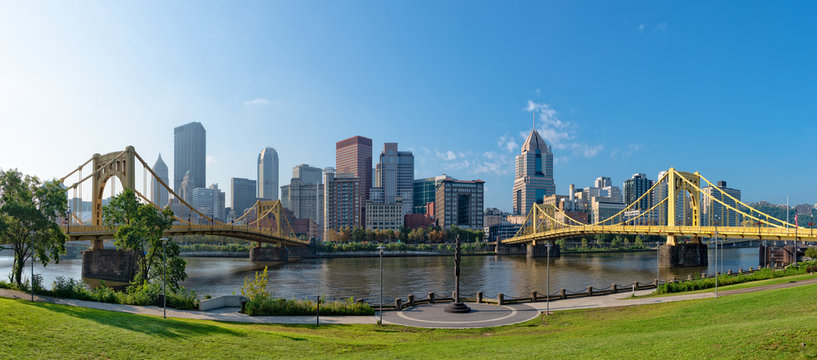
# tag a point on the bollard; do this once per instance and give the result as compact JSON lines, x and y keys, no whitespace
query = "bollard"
{"x":411,"y":300}
{"x":431,"y":298}
{"x":689,"y":277}
{"x":398,"y":304}
{"x":533,"y":296}
{"x":589,"y":291}
{"x":656,"y":283}
{"x":479,"y":297}
{"x":614,"y":287}
{"x":563,"y":294}
{"x":750,"y":269}
{"x":500,"y":299}
{"x":729,"y":273}
{"x":740,"y":271}
{"x":703,"y":275}
{"x":635,"y":285}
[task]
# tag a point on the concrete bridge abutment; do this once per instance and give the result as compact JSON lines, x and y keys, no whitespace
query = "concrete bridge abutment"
{"x":510,"y":249}
{"x":110,"y":264}
{"x":269,"y":254}
{"x":540,"y":250}
{"x":683,"y":255}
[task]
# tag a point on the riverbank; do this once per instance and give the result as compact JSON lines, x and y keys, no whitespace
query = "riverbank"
{"x":775,"y":324}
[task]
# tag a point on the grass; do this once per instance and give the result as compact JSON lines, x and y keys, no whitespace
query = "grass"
{"x":749,"y":284}
{"x":762,"y":325}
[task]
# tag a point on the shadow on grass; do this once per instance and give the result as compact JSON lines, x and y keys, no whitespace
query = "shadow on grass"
{"x":168,"y":328}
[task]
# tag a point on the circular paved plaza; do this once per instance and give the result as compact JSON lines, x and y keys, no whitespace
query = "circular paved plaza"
{"x":481,"y":315}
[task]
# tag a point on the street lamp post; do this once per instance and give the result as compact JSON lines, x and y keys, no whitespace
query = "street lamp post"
{"x":164,"y":277}
{"x":547,"y":294}
{"x":657,"y":266}
{"x":381,"y":248}
{"x":716,"y":262}
{"x":68,"y":218}
{"x":31,"y":237}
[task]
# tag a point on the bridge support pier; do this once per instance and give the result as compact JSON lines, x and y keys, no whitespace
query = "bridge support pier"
{"x":269,"y":254}
{"x":683,"y":255}
{"x":510,"y":249}
{"x":302,"y":252}
{"x":110,"y":265}
{"x":540,"y":250}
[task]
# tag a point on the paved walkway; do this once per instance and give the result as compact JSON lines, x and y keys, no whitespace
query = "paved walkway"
{"x":431,"y":316}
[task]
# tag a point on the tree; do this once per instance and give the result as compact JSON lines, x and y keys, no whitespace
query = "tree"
{"x":140,"y":227}
{"x":29,"y":211}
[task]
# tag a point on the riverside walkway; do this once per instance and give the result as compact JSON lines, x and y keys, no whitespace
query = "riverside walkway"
{"x":428,"y":316}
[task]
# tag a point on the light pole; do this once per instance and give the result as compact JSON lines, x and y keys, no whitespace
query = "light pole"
{"x":547,"y":294}
{"x":68,"y":217}
{"x":657,"y":266}
{"x":716,"y":262}
{"x":31,"y":236}
{"x":381,"y":248}
{"x":164,"y":278}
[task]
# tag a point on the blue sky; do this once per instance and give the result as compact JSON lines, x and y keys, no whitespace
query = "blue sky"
{"x":727,"y":89}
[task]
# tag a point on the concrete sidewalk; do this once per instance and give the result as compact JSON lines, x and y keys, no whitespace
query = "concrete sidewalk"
{"x":231,"y":314}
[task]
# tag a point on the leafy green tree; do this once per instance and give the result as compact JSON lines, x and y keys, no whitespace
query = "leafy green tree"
{"x":584,"y":243}
{"x":140,"y":227}
{"x":561,"y":243}
{"x":29,"y":211}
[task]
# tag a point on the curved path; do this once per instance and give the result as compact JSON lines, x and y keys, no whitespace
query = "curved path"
{"x":481,"y":315}
{"x":430,"y":316}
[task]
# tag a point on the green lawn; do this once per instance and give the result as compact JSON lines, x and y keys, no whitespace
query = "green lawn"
{"x":761,"y":325}
{"x":749,"y":284}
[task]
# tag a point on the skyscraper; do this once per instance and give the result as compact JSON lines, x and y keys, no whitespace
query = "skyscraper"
{"x":242,"y":195}
{"x":159,"y":195}
{"x":304,"y":194}
{"x":268,"y":174}
{"x":342,"y":206}
{"x":534,"y":174}
{"x":189,"y":155}
{"x":395,"y":175}
{"x":634,"y":188}
{"x":219,"y":203}
{"x":354,"y":156}
{"x":186,"y":188}
{"x":714,"y":213}
{"x":460,"y":203}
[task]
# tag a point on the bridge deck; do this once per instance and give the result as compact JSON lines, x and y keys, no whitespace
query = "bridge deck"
{"x":85,"y":232}
{"x":737,"y":232}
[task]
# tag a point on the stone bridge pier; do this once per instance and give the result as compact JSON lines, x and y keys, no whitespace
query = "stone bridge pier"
{"x":683,"y":255}
{"x":110,"y":264}
{"x":269,"y":254}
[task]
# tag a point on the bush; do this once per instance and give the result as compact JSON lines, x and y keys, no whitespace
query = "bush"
{"x":284,"y":307}
{"x":811,"y":252}
{"x":256,"y":288}
{"x":147,"y":294}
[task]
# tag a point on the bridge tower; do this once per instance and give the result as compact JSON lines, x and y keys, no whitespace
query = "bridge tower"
{"x":119,"y":164}
{"x":673,"y":253}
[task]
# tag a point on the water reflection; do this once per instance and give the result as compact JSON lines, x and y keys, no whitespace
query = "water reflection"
{"x":359,"y":277}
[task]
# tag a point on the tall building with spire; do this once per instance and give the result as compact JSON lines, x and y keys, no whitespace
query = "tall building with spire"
{"x":268,"y":174}
{"x":158,"y":194}
{"x":534,"y":174}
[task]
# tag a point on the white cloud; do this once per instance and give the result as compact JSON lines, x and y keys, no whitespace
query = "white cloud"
{"x":507,"y":143}
{"x":661,"y":27}
{"x":640,"y":27}
{"x":619,"y":153}
{"x":448,"y":155}
{"x":257,"y":102}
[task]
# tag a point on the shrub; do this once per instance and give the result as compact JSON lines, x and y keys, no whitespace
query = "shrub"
{"x":724,"y":279}
{"x":284,"y":307}
{"x":256,"y":288}
{"x":811,"y":252}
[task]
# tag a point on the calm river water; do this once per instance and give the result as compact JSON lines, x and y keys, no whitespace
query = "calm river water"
{"x":359,"y":277}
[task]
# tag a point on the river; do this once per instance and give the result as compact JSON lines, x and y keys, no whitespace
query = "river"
{"x":359,"y":277}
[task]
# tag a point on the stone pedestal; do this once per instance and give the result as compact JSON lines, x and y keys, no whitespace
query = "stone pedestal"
{"x":110,"y":264}
{"x":540,"y":251}
{"x":683,"y":255}
{"x":269,"y":254}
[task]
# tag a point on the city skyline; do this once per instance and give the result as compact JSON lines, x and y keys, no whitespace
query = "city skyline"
{"x":462,"y":112}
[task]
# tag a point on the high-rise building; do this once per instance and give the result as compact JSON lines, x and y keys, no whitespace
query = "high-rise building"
{"x":268,"y":174}
{"x":394,"y":176}
{"x":307,"y":174}
{"x":636,"y":186}
{"x":158,"y":194}
{"x":534,"y":174}
{"x":304,"y":194}
{"x":189,"y":155}
{"x":384,"y":216}
{"x":425,"y":192}
{"x":342,"y":206}
{"x":713,"y":213}
{"x":460,"y":203}
{"x":204,"y":200}
{"x":242,"y":195}
{"x":187,"y":187}
{"x":219,"y":203}
{"x":354,"y":156}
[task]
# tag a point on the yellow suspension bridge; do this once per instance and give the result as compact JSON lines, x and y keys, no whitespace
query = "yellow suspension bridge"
{"x":264,"y":222}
